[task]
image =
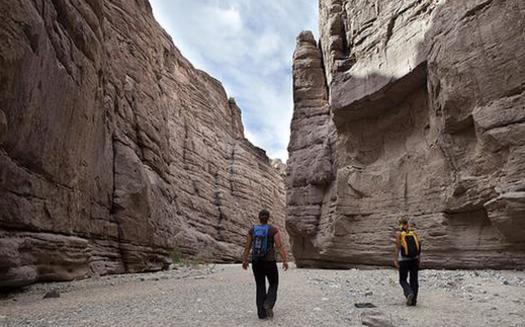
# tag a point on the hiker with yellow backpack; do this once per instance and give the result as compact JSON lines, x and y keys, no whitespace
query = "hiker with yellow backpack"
{"x":408,"y":249}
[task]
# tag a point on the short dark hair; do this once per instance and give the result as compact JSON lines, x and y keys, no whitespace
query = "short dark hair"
{"x":403,"y":221}
{"x":264,"y":216}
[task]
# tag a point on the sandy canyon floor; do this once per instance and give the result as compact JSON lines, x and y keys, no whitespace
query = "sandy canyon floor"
{"x":224,"y":295}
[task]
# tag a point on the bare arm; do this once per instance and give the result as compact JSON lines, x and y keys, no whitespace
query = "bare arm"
{"x":247,"y":248}
{"x":282,"y":250}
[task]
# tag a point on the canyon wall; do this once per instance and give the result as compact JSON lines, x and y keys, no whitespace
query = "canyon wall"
{"x":410,"y":109}
{"x":114,"y":149}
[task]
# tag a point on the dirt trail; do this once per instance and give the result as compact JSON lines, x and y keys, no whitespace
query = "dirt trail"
{"x":224,"y":296}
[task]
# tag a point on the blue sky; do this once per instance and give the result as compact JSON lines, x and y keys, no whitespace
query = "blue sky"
{"x":247,"y":45}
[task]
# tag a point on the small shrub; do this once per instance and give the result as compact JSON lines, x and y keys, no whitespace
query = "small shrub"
{"x":176,"y":256}
{"x":178,"y":259}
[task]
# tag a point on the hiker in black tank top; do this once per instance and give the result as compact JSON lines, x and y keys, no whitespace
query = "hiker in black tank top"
{"x":265,"y":266}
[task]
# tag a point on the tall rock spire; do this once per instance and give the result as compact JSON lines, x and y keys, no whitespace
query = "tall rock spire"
{"x":311,"y":162}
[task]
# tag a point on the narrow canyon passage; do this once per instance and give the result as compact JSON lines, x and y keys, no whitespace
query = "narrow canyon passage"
{"x":120,"y":157}
{"x":224,"y":295}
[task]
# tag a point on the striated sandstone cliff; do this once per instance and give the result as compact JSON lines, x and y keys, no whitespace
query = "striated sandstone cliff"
{"x":428,"y":103}
{"x":114,"y":149}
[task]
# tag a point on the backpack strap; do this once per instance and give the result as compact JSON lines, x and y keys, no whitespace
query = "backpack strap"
{"x":403,"y":242}
{"x":416,"y":239}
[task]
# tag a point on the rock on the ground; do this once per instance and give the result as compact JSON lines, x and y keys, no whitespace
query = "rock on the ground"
{"x":428,"y":108}
{"x":375,"y":318}
{"x":53,"y":294}
{"x":114,"y":149}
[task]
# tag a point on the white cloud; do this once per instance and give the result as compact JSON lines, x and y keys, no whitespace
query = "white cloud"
{"x":267,"y":45}
{"x":229,"y":18}
{"x":248,"y":45}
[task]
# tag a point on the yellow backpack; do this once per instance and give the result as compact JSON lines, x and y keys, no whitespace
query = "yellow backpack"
{"x":410,"y":247}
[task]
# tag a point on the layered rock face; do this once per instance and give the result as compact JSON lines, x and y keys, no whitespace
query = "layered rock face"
{"x":428,"y":103}
{"x":114,"y":149}
{"x":311,"y":165}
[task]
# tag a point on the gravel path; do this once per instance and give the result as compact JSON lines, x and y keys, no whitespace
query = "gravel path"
{"x":224,"y":296}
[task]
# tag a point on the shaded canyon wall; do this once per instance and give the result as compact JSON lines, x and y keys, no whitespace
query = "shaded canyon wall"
{"x":410,"y":108}
{"x":114,"y":149}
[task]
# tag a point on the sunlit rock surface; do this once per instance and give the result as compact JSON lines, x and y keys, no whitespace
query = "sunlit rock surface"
{"x":428,"y":103}
{"x":114,"y":149}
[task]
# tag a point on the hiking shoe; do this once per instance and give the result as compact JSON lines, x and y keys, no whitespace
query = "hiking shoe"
{"x":410,"y":299}
{"x":269,"y":312}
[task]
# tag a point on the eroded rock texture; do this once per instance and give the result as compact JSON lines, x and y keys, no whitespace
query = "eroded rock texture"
{"x":114,"y":149}
{"x":311,"y":166}
{"x":428,"y":102}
